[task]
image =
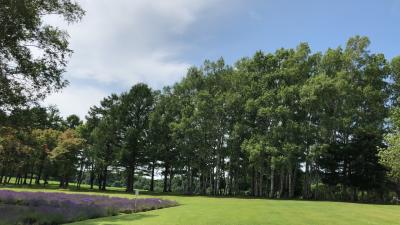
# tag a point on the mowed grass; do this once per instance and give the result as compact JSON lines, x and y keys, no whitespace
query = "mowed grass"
{"x":237,"y":211}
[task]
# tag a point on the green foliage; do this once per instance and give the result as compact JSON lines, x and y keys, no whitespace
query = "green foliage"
{"x":33,"y":55}
{"x":65,"y":155}
{"x":133,"y":119}
{"x":287,"y":124}
{"x":73,"y":121}
{"x":390,"y":156}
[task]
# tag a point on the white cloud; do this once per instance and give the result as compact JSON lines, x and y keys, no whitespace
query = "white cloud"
{"x":76,"y":100}
{"x":133,"y":41}
{"x":120,"y":43}
{"x":155,"y":69}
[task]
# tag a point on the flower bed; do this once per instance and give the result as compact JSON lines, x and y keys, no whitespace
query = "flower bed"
{"x":57,"y":208}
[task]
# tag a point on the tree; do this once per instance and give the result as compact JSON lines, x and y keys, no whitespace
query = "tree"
{"x":134,"y":112}
{"x":163,"y":150}
{"x":286,"y":124}
{"x":65,"y":155}
{"x":390,"y":156}
{"x":13,"y":154}
{"x":45,"y":142}
{"x":160,"y":138}
{"x":105,"y":136}
{"x":33,"y":55}
{"x":73,"y":121}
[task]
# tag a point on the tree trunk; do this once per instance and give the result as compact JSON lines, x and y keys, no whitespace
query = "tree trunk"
{"x":190,"y":181}
{"x":152,"y":177}
{"x":100,"y":179}
{"x":80,"y":176}
{"x":129,"y":179}
{"x":306,"y":187}
{"x":171,"y":176}
{"x":1,"y":175}
{"x":61,"y":185}
{"x":398,"y":190}
{"x":92,"y":176}
{"x":282,"y":183}
{"x":292,"y":181}
{"x":31,"y":179}
{"x":253,"y":181}
{"x":355,"y":194}
{"x":260,"y":184}
{"x":201,"y":183}
{"x":25,"y":177}
{"x":272,"y":188}
{"x":230,"y":183}
{"x":37,"y":181}
{"x":217,"y":175}
{"x":165,"y":188}
{"x":46,"y":177}
{"x":316,"y":194}
{"x":104,"y":180}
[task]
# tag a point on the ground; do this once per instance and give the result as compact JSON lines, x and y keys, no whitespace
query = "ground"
{"x":238,"y":211}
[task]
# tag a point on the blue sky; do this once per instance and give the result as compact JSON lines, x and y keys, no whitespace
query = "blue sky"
{"x":123,"y":42}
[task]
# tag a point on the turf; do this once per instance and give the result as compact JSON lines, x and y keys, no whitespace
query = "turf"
{"x":236,"y":211}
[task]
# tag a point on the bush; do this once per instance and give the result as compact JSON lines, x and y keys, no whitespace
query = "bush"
{"x":55,"y":208}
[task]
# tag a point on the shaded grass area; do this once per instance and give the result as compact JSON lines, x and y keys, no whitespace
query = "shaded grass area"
{"x":197,"y":210}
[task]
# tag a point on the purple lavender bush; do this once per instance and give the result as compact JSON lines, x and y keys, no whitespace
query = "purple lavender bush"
{"x":57,"y":208}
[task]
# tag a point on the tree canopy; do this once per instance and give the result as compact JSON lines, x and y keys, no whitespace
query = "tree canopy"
{"x":286,"y":124}
{"x":33,"y":55}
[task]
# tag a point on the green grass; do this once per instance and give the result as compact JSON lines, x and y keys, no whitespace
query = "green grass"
{"x":236,"y":211}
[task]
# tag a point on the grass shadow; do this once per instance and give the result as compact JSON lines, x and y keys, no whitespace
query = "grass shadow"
{"x":56,"y":187}
{"x":120,"y":219}
{"x":114,"y":190}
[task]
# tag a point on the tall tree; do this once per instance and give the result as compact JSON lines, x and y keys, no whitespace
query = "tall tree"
{"x":134,"y":112}
{"x":390,"y":156}
{"x":105,"y":136}
{"x":162,"y":149}
{"x":73,"y":121}
{"x":33,"y":55}
{"x":65,"y":155}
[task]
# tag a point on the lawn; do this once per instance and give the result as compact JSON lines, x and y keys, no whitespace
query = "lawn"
{"x":231,"y":211}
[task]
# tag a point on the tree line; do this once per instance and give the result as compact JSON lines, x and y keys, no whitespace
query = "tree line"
{"x":288,"y":124}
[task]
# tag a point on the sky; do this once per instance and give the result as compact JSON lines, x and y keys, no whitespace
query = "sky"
{"x":123,"y":42}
